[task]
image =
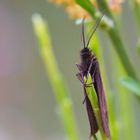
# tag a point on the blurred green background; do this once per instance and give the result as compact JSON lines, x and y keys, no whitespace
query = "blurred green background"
{"x":28,"y":110}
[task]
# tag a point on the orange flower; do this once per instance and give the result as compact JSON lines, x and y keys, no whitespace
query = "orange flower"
{"x":63,"y":2}
{"x":75,"y":11}
{"x":138,"y":1}
{"x":115,"y":5}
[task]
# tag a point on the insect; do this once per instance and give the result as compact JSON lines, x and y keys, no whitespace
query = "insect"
{"x":89,"y":65}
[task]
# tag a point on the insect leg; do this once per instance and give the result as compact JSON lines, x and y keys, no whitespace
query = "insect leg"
{"x":89,"y":85}
{"x":79,"y":67}
{"x":84,"y":99}
{"x":93,"y":62}
{"x":89,"y":69}
{"x":80,"y":77}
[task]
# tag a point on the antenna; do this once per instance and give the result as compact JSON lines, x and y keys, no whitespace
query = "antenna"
{"x":83,"y":32}
{"x":94,"y":30}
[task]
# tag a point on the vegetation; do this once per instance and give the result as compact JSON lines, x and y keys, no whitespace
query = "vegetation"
{"x":127,"y":84}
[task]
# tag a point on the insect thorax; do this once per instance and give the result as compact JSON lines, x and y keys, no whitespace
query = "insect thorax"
{"x":86,"y":57}
{"x":85,"y":53}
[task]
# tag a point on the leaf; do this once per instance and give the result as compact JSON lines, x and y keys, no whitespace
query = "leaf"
{"x":131,"y":84}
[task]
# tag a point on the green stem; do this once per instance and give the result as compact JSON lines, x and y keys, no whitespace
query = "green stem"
{"x":117,"y":41}
{"x":113,"y":34}
{"x":55,"y":77}
{"x":94,"y":101}
{"x":95,"y":46}
{"x":121,"y":51}
{"x":125,"y":62}
{"x":104,"y":7}
{"x":95,"y":14}
{"x":95,"y":138}
{"x":124,"y":98}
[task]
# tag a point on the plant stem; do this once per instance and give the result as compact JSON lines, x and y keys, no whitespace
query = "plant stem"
{"x":95,"y":46}
{"x":113,"y":34}
{"x":124,"y":98}
{"x":95,"y":138}
{"x":55,"y":77}
{"x":121,"y":51}
{"x":95,"y":105}
{"x":117,"y":42}
{"x":95,"y":14}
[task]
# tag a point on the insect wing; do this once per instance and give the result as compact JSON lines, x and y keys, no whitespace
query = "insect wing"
{"x":102,"y":100}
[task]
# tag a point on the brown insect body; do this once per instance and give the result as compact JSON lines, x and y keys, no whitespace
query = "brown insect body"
{"x":86,"y":57}
{"x":89,"y":65}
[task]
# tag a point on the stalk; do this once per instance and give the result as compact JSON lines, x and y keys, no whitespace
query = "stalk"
{"x":125,"y":100}
{"x":95,"y":46}
{"x":55,"y":77}
{"x":111,"y":29}
{"x":94,"y":101}
{"x":117,"y":41}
